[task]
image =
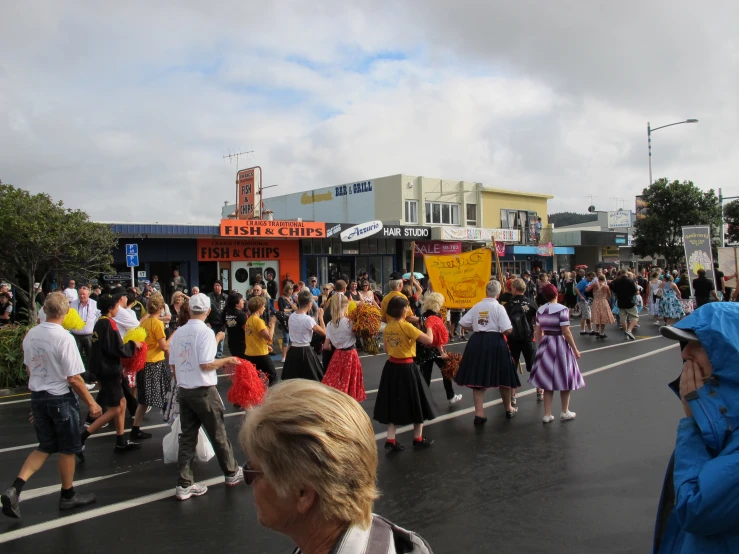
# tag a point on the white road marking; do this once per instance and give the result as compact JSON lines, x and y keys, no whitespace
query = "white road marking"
{"x":43,"y":491}
{"x":140,"y":501}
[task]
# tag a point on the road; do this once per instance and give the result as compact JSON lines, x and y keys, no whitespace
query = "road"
{"x":589,"y":485}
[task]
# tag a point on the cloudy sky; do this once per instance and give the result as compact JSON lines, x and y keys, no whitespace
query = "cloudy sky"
{"x":125,"y":109}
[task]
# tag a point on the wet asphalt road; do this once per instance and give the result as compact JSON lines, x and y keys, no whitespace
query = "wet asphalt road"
{"x":589,"y":485}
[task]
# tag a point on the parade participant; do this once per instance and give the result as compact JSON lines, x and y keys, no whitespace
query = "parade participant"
{"x":107,"y":350}
{"x":699,"y":509}
{"x":654,"y":296}
{"x":402,"y":397}
{"x":88,"y":310}
{"x":235,"y":321}
{"x":154,"y":379}
{"x":413,"y":303}
{"x":344,"y":372}
{"x":486,"y":362}
{"x":285,"y":307}
{"x":601,"y":309}
{"x":54,"y":369}
{"x":626,"y":291}
{"x":522,"y":315}
{"x":302,"y":361}
{"x":313,"y":468}
{"x":704,"y":289}
{"x":215,"y":317}
{"x":125,"y":320}
{"x":432,"y":305}
{"x":193,"y":358}
{"x":670,"y":308}
{"x":555,"y":366}
{"x":396,"y":284}
{"x":586,"y":326}
{"x":259,"y":338}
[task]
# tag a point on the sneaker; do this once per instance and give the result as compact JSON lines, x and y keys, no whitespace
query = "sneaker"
{"x":148,"y":409}
{"x":423,"y":443}
{"x":514,"y":401}
{"x":656,"y":322}
{"x":235,"y":479}
{"x":629,"y":335}
{"x":129,"y":445}
{"x":539,"y":396}
{"x":11,"y":506}
{"x":583,"y":333}
{"x":76,"y":501}
{"x":81,"y":454}
{"x":566,"y":416}
{"x":512,"y":413}
{"x":196,"y":489}
{"x":394,"y":446}
{"x":548,"y":418}
{"x":463,"y":338}
{"x":454,"y":399}
{"x":90,"y":386}
{"x":283,"y":360}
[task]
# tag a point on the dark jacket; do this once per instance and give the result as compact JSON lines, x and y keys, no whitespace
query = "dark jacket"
{"x":217,"y":305}
{"x":108,"y":349}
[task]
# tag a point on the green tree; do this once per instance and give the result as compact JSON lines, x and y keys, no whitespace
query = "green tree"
{"x":731,"y":218}
{"x":672,"y":206}
{"x":41,"y":236}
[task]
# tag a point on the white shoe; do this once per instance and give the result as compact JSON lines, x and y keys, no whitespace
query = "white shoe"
{"x":90,"y":386}
{"x":283,"y":360}
{"x":454,"y":399}
{"x":548,"y":418}
{"x":566,"y":416}
{"x":235,"y":479}
{"x":196,"y":489}
{"x":148,"y":409}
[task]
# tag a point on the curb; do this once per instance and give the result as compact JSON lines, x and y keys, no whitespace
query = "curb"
{"x":8,"y":392}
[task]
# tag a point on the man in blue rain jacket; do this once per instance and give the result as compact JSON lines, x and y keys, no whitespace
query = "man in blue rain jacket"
{"x":699,"y":508}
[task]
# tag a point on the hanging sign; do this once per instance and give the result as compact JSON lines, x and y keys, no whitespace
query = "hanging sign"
{"x":247,"y":181}
{"x":462,"y":278}
{"x":361,"y":231}
{"x":437,"y":247}
{"x":698,"y":254}
{"x":262,"y":228}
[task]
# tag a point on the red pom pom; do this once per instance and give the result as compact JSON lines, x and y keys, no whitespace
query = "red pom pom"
{"x":441,"y":335}
{"x":451,"y":365}
{"x":136,"y":363}
{"x":249,"y":385}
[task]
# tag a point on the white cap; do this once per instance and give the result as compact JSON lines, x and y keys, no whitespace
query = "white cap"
{"x":199,"y":303}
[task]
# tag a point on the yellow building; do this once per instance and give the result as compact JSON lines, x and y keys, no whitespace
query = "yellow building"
{"x":509,"y":209}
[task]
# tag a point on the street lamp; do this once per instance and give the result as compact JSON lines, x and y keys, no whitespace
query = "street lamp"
{"x":649,"y":140}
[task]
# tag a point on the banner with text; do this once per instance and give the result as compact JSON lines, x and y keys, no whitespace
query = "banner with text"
{"x":461,"y":278}
{"x":727,"y":262}
{"x":437,"y":248}
{"x":227,"y":250}
{"x":475,"y":233}
{"x":247,"y":182}
{"x":262,"y":228}
{"x":698,"y":255}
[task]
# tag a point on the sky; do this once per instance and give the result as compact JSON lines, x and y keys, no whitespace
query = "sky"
{"x":126,"y":109}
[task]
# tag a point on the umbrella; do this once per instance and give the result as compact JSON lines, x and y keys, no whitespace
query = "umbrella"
{"x":415,"y":274}
{"x":581,"y":267}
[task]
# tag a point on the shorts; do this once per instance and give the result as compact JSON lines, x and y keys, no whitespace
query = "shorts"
{"x":286,"y":339}
{"x":632,"y":314}
{"x":56,"y":420}
{"x":584,"y":309}
{"x":455,"y":316}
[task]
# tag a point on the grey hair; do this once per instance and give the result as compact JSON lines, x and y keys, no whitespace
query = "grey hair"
{"x":492,"y":290}
{"x":395,"y":284}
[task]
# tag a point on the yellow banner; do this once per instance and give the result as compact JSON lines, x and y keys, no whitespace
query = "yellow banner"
{"x":461,"y":278}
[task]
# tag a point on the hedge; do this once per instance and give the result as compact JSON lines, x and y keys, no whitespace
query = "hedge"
{"x":12,"y":371}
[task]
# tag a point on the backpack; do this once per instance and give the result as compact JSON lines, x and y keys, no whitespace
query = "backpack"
{"x":518,"y":313}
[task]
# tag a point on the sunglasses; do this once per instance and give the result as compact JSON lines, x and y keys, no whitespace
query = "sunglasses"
{"x":250,"y":474}
{"x":326,"y":288}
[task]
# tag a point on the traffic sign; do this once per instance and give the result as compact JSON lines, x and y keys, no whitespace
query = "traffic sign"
{"x":132,"y":250}
{"x":132,"y":261}
{"x":142,"y":274}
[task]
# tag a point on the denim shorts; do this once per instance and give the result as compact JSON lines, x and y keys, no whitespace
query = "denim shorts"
{"x":57,"y":422}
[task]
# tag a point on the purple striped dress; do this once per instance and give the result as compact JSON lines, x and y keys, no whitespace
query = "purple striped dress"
{"x":555,"y":366}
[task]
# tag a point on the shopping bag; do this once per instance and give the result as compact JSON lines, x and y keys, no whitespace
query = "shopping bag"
{"x":204,"y":451}
{"x":171,"y":443}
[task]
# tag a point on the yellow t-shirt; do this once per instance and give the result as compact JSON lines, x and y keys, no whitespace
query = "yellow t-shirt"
{"x":256,"y":345}
{"x":400,"y":339}
{"x":154,"y":332}
{"x":386,"y":300}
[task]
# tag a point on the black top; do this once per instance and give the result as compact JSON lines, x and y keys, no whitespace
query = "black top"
{"x":217,"y":304}
{"x":684,"y":287}
{"x":505,"y":298}
{"x":234,"y":322}
{"x":518,"y":304}
{"x":108,"y":349}
{"x":272,"y":288}
{"x":625,"y":291}
{"x":719,"y":279}
{"x":702,"y":287}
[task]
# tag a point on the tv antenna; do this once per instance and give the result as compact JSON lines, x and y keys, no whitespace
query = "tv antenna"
{"x":236,"y":156}
{"x":617,"y":201}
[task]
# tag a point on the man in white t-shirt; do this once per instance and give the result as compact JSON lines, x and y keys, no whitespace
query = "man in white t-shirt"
{"x":71,"y":291}
{"x":54,"y":369}
{"x":192,"y":355}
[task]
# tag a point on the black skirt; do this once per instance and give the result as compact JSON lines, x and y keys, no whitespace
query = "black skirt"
{"x":403,"y":397}
{"x":487,"y":363}
{"x":110,"y":392}
{"x":301,"y":362}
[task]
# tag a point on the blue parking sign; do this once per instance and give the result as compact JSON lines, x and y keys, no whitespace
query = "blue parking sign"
{"x":132,"y":261}
{"x":132,"y":250}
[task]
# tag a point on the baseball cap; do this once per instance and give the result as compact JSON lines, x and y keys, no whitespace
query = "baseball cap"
{"x":674,"y":333}
{"x":199,"y":303}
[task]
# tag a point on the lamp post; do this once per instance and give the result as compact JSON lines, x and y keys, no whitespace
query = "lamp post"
{"x":649,"y":140}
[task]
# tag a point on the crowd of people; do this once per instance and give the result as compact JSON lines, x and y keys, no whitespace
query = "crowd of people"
{"x":521,"y":317}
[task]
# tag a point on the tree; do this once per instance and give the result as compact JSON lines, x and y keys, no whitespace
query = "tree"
{"x":670,"y":207}
{"x":41,"y":236}
{"x":731,"y":218}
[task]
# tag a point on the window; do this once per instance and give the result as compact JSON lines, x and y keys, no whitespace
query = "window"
{"x":472,"y":215}
{"x":442,"y":213}
{"x":411,"y":211}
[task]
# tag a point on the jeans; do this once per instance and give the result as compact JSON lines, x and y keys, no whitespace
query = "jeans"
{"x":56,"y":420}
{"x":202,"y":406}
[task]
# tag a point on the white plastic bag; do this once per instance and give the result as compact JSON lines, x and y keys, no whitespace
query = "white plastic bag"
{"x":171,"y":444}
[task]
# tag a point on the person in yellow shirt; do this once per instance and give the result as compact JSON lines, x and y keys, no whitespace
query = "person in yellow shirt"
{"x":396,"y":285}
{"x":259,"y":338}
{"x":403,"y":396}
{"x":154,"y":380}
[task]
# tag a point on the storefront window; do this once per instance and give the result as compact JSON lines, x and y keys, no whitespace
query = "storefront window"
{"x":372,"y":246}
{"x":311,"y":266}
{"x":318,"y":246}
{"x":306,"y":246}
{"x":390,"y":246}
{"x":364,"y":247}
{"x":375,"y":269}
{"x":387,"y":269}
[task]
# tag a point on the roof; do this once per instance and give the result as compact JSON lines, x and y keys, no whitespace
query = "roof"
{"x":164,"y":229}
{"x":517,"y":193}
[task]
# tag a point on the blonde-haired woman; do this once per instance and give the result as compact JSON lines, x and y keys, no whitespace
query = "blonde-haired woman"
{"x":178,"y":301}
{"x":344,"y":371}
{"x":313,"y":468}
{"x":430,"y":309}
